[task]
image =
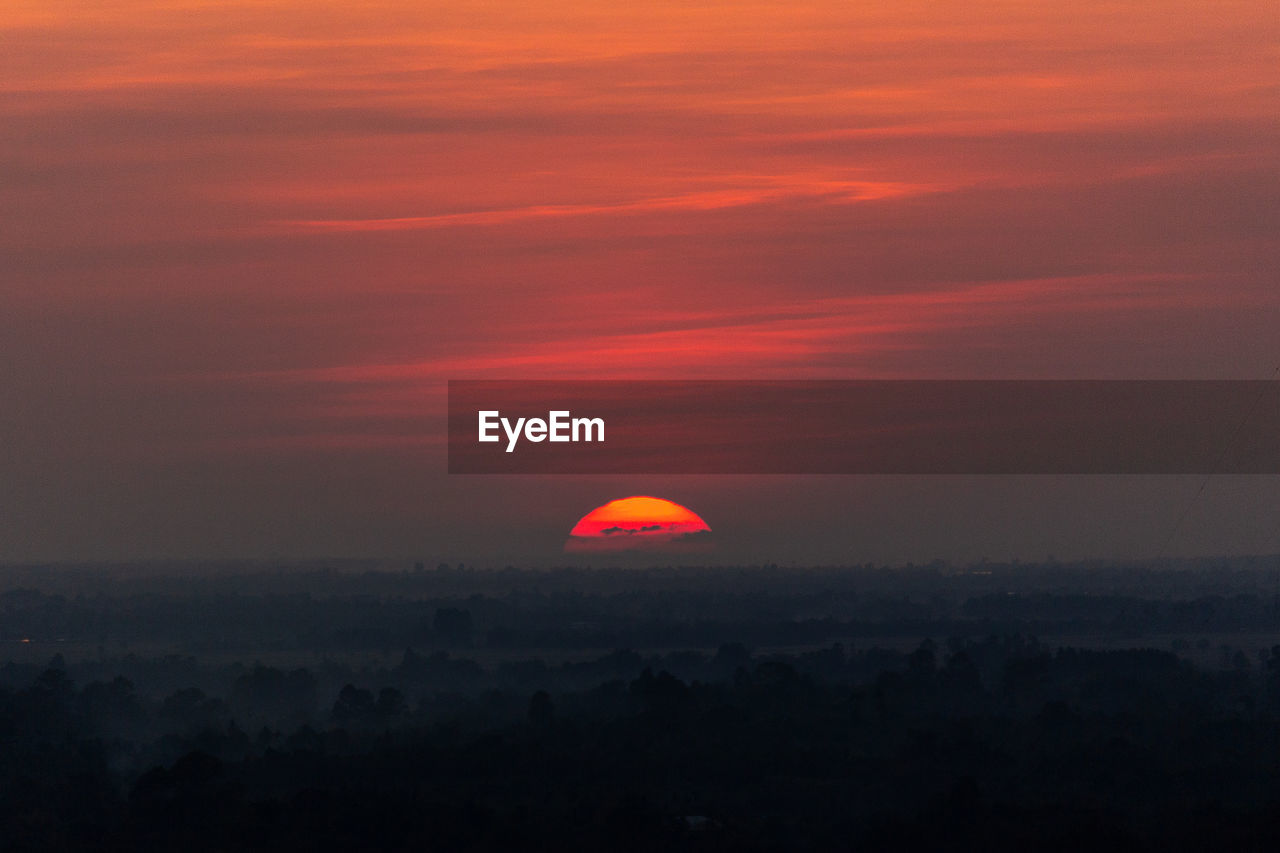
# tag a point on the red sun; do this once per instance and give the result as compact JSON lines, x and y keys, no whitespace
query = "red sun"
{"x":638,"y":523}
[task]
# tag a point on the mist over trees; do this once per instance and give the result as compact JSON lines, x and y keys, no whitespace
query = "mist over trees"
{"x":759,"y":708}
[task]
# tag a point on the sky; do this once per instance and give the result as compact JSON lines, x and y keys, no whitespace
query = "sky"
{"x":244,"y":245}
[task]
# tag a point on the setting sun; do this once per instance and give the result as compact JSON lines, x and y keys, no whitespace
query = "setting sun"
{"x":638,"y":522}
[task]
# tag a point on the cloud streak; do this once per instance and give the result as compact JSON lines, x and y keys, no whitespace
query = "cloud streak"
{"x":833,"y":192}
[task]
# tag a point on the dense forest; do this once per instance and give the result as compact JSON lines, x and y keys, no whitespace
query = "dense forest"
{"x":1014,"y":707}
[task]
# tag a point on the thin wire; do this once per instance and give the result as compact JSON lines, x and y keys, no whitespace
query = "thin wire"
{"x":1226,"y":448}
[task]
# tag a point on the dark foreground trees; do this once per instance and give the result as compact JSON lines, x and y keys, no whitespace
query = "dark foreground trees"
{"x":1000,"y":743}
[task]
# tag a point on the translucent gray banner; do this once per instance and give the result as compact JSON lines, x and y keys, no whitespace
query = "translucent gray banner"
{"x":864,"y":427}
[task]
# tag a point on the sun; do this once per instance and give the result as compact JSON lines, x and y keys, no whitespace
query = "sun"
{"x":639,"y":522}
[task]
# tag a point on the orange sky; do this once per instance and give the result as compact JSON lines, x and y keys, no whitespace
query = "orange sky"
{"x":245,"y":243}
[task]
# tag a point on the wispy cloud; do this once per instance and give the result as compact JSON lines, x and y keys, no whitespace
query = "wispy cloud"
{"x":785,"y":336}
{"x":835,"y":192}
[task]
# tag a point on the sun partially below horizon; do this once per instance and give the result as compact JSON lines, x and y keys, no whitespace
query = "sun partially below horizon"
{"x":640,"y":521}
